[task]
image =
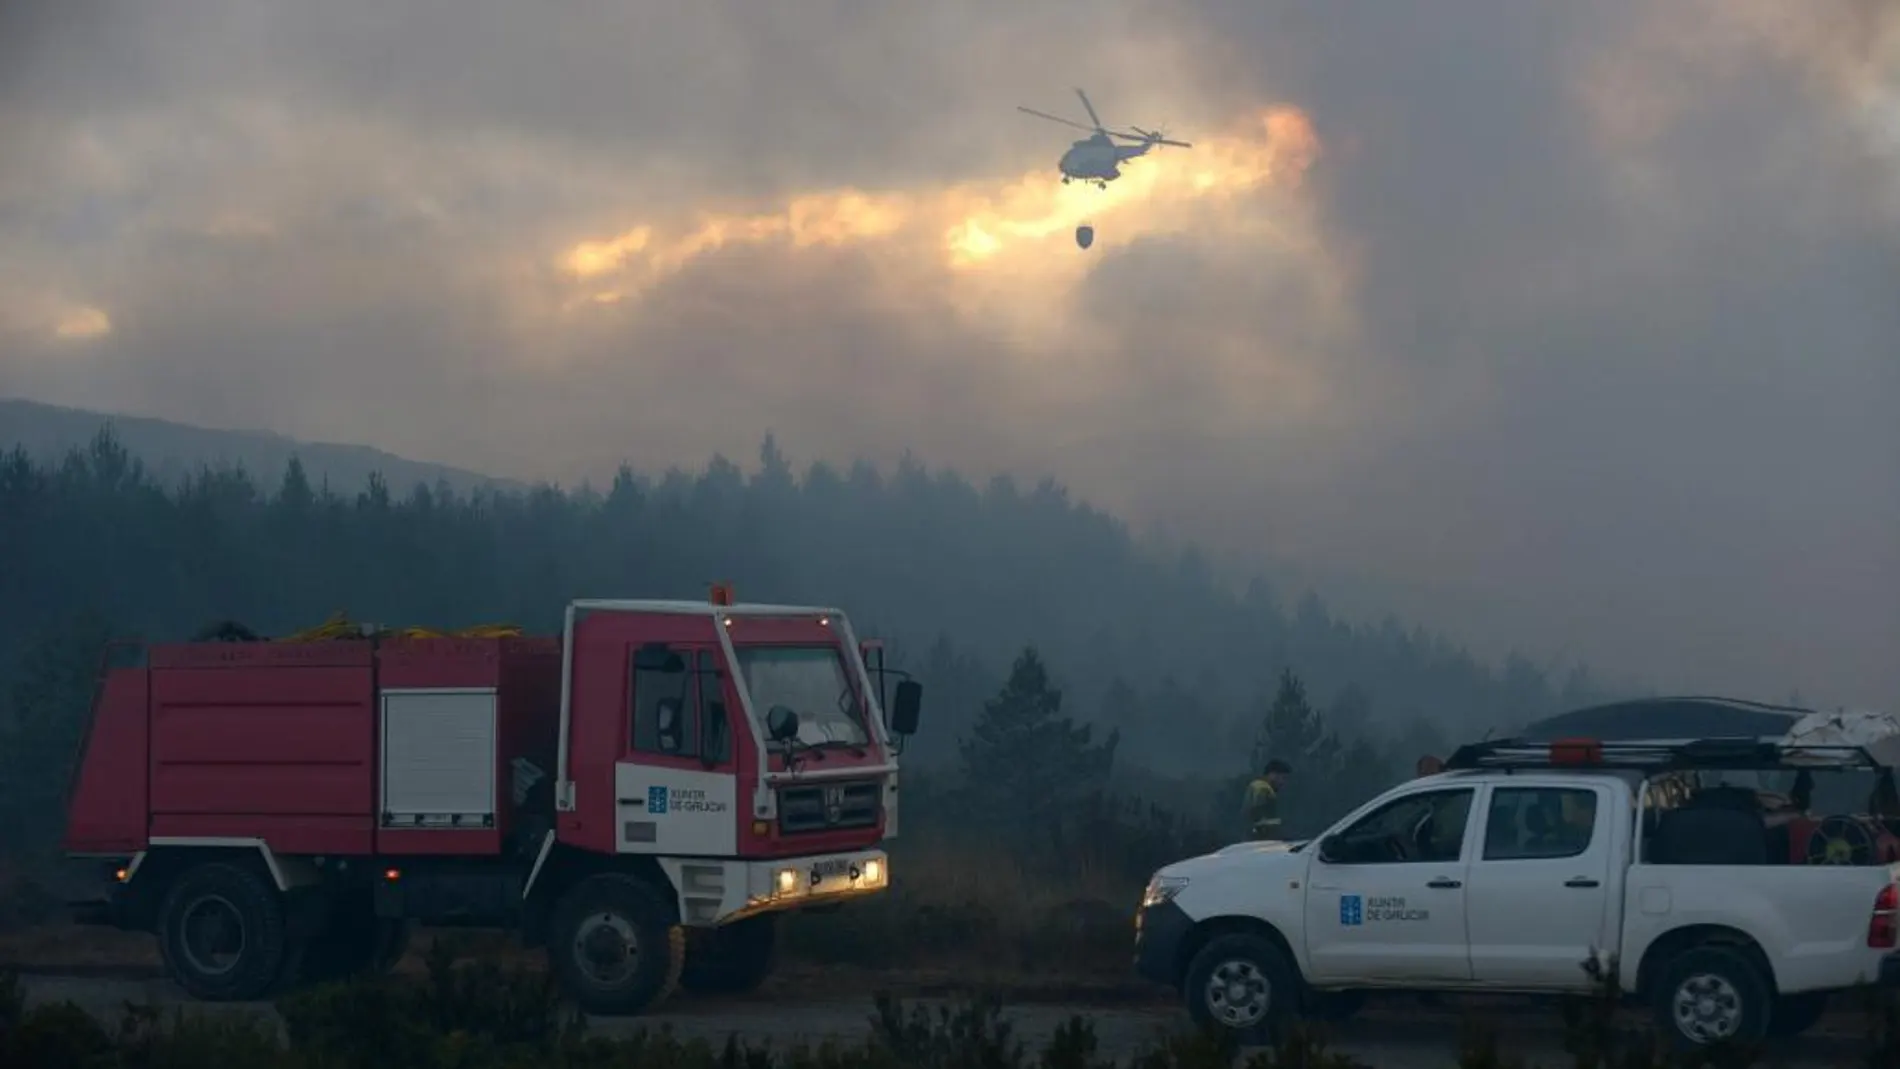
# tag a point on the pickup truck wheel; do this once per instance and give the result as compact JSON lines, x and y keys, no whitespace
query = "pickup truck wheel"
{"x":221,"y":932}
{"x":1243,"y":984}
{"x":614,"y":947}
{"x":1795,"y":1014}
{"x":731,"y":958}
{"x":1711,"y":994}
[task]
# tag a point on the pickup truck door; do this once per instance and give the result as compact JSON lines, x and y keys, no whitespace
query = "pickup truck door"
{"x":1385,"y":898}
{"x":1539,"y":889}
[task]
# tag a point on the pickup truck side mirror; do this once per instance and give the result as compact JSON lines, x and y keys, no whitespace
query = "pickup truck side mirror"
{"x":781,"y":722}
{"x":906,"y":704}
{"x":1327,"y":850}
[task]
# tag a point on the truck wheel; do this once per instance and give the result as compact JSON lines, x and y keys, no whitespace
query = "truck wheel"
{"x":732,"y":958}
{"x":1710,"y":994}
{"x":614,"y":947}
{"x":1795,"y":1014}
{"x":1243,"y":984}
{"x":221,"y":933}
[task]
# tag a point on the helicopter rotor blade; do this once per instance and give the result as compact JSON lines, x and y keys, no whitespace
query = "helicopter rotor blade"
{"x":1054,"y":118}
{"x":1090,"y":108}
{"x":1149,"y":136}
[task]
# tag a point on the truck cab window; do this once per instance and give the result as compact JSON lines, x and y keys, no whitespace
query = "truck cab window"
{"x":812,"y":682}
{"x":1425,"y":827}
{"x":664,"y":708}
{"x":1539,"y":822}
{"x":712,"y":708}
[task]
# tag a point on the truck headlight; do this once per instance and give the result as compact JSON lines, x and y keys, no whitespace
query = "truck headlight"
{"x":786,"y":881}
{"x":1162,"y":889}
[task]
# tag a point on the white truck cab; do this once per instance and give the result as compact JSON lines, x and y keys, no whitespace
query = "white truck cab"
{"x":1534,"y":868}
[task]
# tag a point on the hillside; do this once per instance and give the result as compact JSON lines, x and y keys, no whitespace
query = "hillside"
{"x":959,"y":576}
{"x":171,"y":451}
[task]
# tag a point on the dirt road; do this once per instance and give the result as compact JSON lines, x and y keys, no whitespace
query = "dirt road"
{"x":1399,"y":1037}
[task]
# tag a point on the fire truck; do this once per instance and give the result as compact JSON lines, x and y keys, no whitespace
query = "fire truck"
{"x":642,"y":796}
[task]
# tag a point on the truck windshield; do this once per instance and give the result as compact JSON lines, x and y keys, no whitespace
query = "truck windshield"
{"x":811,"y":681}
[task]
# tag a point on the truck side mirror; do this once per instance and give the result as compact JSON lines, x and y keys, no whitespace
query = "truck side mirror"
{"x":1327,"y":850}
{"x":669,"y":725}
{"x":781,"y":722}
{"x":906,"y":704}
{"x":658,"y":657}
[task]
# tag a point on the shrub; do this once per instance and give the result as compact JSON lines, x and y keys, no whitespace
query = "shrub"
{"x":26,"y":902}
{"x":477,"y":1015}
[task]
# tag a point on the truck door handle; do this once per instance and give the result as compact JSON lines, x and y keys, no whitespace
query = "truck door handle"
{"x":1444,"y":884}
{"x":1581,"y":881}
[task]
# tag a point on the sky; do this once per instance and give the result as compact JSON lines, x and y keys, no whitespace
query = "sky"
{"x":1566,"y":327}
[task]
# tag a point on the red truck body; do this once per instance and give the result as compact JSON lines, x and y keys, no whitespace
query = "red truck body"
{"x":728,"y":762}
{"x":280,"y":743}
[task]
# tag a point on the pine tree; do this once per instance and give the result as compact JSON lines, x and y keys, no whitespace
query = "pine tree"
{"x":46,"y":712}
{"x":294,"y":495}
{"x":1292,"y":731}
{"x":1029,"y":769}
{"x":1328,"y":777}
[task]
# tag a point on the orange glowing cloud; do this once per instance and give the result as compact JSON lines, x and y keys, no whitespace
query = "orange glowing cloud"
{"x":82,"y":322}
{"x":47,"y":315}
{"x":975,"y":224}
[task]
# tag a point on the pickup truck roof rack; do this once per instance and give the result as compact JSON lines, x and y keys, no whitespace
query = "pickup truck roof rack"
{"x":1742,"y":753}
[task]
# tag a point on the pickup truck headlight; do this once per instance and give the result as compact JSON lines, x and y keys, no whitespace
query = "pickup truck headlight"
{"x":1162,"y":889}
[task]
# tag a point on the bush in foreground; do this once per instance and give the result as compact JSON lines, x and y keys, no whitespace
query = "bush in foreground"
{"x":480,"y":1015}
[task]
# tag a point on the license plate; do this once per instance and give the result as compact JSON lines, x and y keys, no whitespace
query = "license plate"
{"x":830,"y":867}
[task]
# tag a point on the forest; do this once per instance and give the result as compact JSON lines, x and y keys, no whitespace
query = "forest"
{"x":1018,"y":608}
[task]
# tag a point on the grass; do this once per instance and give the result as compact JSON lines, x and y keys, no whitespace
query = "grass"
{"x":952,"y":916}
{"x":968,"y":911}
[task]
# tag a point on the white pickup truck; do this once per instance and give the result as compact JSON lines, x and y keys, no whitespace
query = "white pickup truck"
{"x":1614,"y":853}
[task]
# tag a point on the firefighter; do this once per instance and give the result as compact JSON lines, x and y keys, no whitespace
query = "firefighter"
{"x":1263,"y":800}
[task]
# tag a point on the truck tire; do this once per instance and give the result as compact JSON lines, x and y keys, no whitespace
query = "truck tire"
{"x":1795,"y":1014}
{"x":1242,"y":984}
{"x":613,"y":946}
{"x":221,"y":933}
{"x":732,"y":958}
{"x":1712,"y":993}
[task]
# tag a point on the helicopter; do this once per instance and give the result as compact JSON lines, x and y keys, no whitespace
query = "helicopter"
{"x":1097,"y":158}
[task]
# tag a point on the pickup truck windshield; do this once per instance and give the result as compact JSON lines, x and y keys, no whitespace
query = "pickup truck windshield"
{"x":812,"y":682}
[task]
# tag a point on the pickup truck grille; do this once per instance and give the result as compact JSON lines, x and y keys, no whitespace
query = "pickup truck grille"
{"x":829,"y":807}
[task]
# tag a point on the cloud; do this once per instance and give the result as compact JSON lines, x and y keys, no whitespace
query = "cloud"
{"x":1568,"y":326}
{"x":973,"y":234}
